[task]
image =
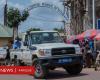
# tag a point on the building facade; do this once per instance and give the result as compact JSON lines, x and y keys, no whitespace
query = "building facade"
{"x":97,"y":5}
{"x":5,"y":35}
{"x":88,"y":20}
{"x":82,"y":15}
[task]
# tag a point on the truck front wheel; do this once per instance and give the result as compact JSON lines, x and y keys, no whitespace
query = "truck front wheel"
{"x":40,"y":70}
{"x":74,"y":69}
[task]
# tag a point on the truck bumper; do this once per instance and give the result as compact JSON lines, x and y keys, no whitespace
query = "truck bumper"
{"x":59,"y":61}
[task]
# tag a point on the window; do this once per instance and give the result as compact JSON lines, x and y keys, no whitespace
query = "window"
{"x":45,"y":37}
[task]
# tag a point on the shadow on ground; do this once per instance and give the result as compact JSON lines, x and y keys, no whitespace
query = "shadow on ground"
{"x":57,"y":74}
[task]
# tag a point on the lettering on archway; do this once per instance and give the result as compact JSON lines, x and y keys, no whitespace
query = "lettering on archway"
{"x":48,"y":5}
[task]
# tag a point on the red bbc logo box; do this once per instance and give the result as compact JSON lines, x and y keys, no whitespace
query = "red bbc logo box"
{"x":17,"y":70}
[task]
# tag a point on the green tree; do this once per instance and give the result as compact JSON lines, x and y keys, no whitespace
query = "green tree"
{"x":14,"y":18}
{"x":35,"y":29}
{"x":61,"y":30}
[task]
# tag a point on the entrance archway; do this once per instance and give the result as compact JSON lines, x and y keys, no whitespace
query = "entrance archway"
{"x":47,"y":5}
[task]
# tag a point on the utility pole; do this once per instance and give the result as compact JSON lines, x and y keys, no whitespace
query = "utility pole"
{"x":5,"y":14}
{"x":93,"y":12}
{"x":64,"y":21}
{"x":93,"y":7}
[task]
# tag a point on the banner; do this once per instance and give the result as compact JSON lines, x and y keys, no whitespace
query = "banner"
{"x":17,"y":70}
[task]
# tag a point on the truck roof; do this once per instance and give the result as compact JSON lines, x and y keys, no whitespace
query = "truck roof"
{"x":42,"y":31}
{"x":23,"y":33}
{"x":38,"y":31}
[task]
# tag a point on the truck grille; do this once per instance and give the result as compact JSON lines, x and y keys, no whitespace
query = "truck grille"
{"x":63,"y":51}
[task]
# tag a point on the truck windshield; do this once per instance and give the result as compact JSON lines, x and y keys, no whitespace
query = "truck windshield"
{"x":45,"y":37}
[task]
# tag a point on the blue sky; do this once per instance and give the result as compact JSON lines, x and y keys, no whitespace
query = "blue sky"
{"x":41,"y":17}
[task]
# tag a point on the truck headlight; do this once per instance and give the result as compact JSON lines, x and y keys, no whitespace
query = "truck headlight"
{"x":45,"y":52}
{"x":41,"y":52}
{"x":78,"y":50}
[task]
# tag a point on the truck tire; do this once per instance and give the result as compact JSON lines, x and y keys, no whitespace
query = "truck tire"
{"x":15,"y":61}
{"x":52,"y":68}
{"x":40,"y":70}
{"x":74,"y":69}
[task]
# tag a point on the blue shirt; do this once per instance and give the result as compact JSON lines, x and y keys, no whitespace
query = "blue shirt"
{"x":17,"y":44}
{"x":91,"y":45}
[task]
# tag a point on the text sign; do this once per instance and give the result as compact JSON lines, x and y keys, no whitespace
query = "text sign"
{"x":17,"y":70}
{"x":98,"y":23}
{"x":48,"y":5}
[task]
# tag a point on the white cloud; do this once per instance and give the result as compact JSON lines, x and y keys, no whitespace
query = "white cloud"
{"x":19,"y":6}
{"x":16,"y":5}
{"x":50,"y":14}
{"x":2,"y":2}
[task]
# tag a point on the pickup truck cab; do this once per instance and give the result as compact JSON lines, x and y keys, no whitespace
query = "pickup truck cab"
{"x":45,"y":50}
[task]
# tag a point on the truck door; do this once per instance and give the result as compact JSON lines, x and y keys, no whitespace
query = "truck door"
{"x":27,"y":55}
{"x":17,"y":52}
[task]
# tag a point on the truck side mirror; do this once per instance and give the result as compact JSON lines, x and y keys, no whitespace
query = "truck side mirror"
{"x":25,"y":43}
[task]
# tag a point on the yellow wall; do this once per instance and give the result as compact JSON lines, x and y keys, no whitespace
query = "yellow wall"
{"x":4,"y":41}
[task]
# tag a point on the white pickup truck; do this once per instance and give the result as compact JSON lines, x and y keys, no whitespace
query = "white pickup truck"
{"x":46,"y":50}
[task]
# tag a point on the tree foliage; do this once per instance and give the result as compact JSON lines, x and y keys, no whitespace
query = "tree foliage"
{"x":15,"y":17}
{"x":61,"y":30}
{"x":35,"y":29}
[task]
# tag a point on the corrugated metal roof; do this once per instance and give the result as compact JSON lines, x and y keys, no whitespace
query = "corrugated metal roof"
{"x":5,"y":31}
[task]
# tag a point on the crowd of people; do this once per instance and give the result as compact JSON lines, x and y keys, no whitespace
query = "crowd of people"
{"x":88,"y":51}
{"x":16,"y":44}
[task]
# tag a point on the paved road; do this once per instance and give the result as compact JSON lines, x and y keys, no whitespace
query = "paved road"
{"x":59,"y":74}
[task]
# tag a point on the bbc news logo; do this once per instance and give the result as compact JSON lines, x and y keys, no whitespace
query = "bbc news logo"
{"x":17,"y":70}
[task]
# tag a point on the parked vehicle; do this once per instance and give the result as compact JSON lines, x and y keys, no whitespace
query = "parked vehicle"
{"x":3,"y":53}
